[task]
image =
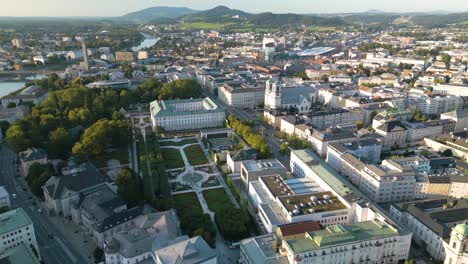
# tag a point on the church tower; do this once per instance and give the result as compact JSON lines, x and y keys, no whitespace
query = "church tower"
{"x":457,"y":249}
{"x":85,"y":65}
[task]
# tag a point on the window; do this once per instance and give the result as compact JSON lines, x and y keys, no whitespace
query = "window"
{"x":454,"y":244}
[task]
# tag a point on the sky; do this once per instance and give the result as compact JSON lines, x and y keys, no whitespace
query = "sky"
{"x":121,"y":7}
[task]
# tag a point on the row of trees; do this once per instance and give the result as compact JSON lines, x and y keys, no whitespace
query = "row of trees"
{"x":256,"y":141}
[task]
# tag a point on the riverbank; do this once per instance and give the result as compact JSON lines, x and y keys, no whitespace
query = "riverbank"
{"x":148,"y":42}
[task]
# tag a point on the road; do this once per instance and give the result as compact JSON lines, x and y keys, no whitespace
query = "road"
{"x":268,"y":132}
{"x":54,"y":250}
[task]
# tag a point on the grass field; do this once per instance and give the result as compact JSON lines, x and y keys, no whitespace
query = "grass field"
{"x":187,"y":202}
{"x":178,"y":144}
{"x":320,"y":29}
{"x":172,"y":158}
{"x":202,"y":25}
{"x":216,"y":199}
{"x":195,"y":155}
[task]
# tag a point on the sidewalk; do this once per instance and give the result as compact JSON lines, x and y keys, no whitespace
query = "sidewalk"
{"x":74,"y":236}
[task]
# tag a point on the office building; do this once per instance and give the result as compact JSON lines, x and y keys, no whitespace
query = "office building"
{"x":250,"y":170}
{"x":16,"y":229}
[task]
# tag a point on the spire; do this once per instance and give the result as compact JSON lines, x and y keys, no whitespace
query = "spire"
{"x":85,"y":65}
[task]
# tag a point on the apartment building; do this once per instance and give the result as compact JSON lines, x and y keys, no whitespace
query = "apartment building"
{"x":241,"y":95}
{"x":366,"y":149}
{"x":322,"y":120}
{"x":321,"y":139}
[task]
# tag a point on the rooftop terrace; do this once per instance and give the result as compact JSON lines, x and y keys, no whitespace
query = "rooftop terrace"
{"x":311,"y":203}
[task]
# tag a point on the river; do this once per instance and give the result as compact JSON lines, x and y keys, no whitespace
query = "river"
{"x":148,"y":42}
{"x":8,"y":87}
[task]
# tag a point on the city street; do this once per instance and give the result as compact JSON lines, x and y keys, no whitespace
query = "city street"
{"x":53,"y":245}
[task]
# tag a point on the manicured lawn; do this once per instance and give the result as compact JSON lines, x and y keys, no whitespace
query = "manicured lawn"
{"x":178,"y":144}
{"x":172,"y":158}
{"x":195,"y":155}
{"x":216,"y":199}
{"x":187,"y":202}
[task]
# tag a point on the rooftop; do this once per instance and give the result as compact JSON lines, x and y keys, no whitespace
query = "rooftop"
{"x":437,"y":214}
{"x":21,"y":254}
{"x":335,"y":235}
{"x":14,"y":219}
{"x":298,"y":228}
{"x":184,"y":107}
{"x":32,"y":154}
{"x":260,"y":165}
{"x":337,"y":182}
{"x":261,"y":248}
{"x":311,"y":203}
{"x":75,"y":178}
{"x":151,"y":230}
{"x":191,"y":250}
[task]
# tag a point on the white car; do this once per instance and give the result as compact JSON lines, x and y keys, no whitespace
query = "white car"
{"x":14,"y":196}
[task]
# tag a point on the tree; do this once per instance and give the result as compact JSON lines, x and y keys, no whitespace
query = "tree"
{"x":360,"y":124}
{"x":48,"y":122}
{"x":195,"y":223}
{"x":447,"y":153}
{"x":60,"y":144}
{"x":4,"y":125}
{"x":98,"y":254}
{"x":17,"y":139}
{"x":302,"y":74}
{"x":129,"y":187}
{"x":445,"y":58}
{"x":233,"y":223}
{"x":101,"y":135}
{"x":283,"y":148}
{"x":80,"y":116}
{"x":324,"y":78}
{"x":180,"y":89}
{"x":37,"y":176}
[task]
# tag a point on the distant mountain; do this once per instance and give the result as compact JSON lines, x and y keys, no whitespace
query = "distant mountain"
{"x":440,"y":20}
{"x":224,"y":14}
{"x":158,"y":13}
{"x":217,"y":14}
{"x":277,"y":20}
{"x":374,"y":11}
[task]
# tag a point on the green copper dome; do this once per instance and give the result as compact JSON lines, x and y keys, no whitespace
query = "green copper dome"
{"x":462,"y":229}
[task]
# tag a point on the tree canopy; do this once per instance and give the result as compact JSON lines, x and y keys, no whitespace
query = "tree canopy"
{"x":129,"y":187}
{"x":233,"y":223}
